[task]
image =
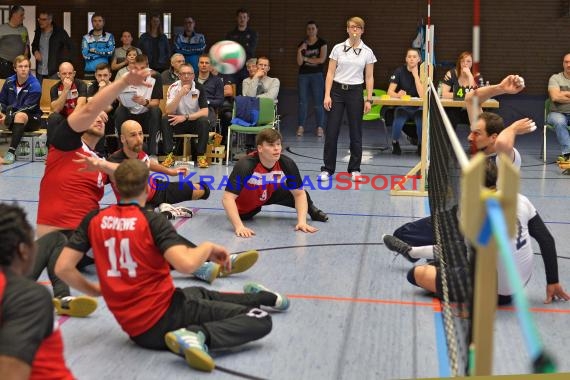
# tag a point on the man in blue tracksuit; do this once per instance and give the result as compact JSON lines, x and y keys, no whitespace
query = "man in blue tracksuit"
{"x":20,"y":105}
{"x":97,"y":46}
{"x":190,"y":44}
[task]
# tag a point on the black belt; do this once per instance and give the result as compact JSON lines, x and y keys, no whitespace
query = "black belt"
{"x":347,"y":87}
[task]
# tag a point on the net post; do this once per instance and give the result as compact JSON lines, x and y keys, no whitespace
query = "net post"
{"x":473,"y":217}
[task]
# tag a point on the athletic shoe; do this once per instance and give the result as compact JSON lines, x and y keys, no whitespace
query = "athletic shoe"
{"x":240,"y":262}
{"x":562,"y":158}
{"x":396,"y":148}
{"x":324,"y":176}
{"x":80,"y":306}
{"x":320,"y":132}
{"x":300,"y":131}
{"x":316,"y":214}
{"x":190,"y":345}
{"x":400,"y":247}
{"x":169,"y":160}
{"x":9,"y":158}
{"x":173,"y":212}
{"x":282,"y":302}
{"x":208,"y":272}
{"x":356,"y":177}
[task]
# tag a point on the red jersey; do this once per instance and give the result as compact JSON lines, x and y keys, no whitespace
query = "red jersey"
{"x":67,"y":194}
{"x":120,"y":156}
{"x":27,"y":328}
{"x":254,"y":184}
{"x":128,"y":244}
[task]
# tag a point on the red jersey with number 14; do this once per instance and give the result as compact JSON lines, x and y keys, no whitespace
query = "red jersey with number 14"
{"x":134,"y":276}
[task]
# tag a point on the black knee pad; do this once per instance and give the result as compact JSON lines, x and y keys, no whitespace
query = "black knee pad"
{"x":206,"y":188}
{"x":411,"y":276}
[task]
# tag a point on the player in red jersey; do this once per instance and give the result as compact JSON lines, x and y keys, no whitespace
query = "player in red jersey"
{"x":133,"y":250}
{"x":264,"y":178}
{"x":31,"y":346}
{"x":162,"y":194}
{"x":67,"y":194}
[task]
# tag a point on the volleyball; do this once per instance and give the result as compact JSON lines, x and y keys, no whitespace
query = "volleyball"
{"x":228,"y":57}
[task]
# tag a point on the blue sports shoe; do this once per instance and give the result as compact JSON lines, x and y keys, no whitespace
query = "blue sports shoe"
{"x":208,"y":272}
{"x":282,"y":302}
{"x":190,"y":345}
{"x":9,"y":158}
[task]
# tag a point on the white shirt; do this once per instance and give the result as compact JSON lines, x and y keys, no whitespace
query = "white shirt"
{"x":349,"y":65}
{"x":146,"y":92}
{"x":520,"y":246}
{"x":188,"y":103}
{"x":517,"y":160}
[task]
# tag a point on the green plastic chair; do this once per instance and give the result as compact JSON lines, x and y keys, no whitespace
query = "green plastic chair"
{"x":375,"y":112}
{"x":267,"y":119}
{"x":547,"y":104}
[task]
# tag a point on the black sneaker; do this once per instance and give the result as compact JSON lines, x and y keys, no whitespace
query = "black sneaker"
{"x":317,"y":214}
{"x":396,"y":245}
{"x":396,"y":148}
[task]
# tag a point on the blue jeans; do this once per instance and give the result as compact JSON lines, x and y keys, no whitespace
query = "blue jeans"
{"x":560,"y":121}
{"x":314,"y":83}
{"x":403,"y":114}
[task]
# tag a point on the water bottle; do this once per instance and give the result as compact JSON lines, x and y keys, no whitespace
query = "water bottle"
{"x":440,"y":89}
{"x":481,"y":81}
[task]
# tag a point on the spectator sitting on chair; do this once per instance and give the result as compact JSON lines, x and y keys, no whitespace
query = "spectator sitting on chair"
{"x":143,"y":106}
{"x":108,"y":145}
{"x":406,"y":81}
{"x":213,"y":87}
{"x":66,"y":95}
{"x":170,"y":75}
{"x":244,"y":196}
{"x":97,"y":46}
{"x":559,"y":116}
{"x":187,"y":112}
{"x":260,"y":85}
{"x":20,"y":105}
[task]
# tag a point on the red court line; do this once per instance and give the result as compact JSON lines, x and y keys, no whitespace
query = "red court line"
{"x":410,"y":303}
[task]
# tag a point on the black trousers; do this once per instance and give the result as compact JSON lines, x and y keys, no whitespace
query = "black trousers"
{"x":49,"y":248}
{"x":6,"y":68}
{"x":173,"y":192}
{"x":200,"y":127}
{"x":280,"y":197}
{"x":229,"y":319}
{"x":351,"y":100}
{"x":18,"y":129}
{"x":149,"y":121}
{"x":417,"y":233}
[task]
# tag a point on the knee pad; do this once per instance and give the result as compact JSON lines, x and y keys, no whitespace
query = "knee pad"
{"x":411,"y":276}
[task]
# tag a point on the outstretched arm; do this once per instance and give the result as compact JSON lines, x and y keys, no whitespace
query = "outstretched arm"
{"x":511,"y":84}
{"x":537,"y":229}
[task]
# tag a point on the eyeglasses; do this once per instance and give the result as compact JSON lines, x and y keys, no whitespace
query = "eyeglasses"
{"x":354,"y":27}
{"x":185,"y":74}
{"x":42,"y":18}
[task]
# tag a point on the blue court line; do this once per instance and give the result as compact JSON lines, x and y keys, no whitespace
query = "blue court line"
{"x":441,"y":345}
{"x":14,"y":167}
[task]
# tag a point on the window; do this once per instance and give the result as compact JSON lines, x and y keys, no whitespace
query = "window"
{"x":89,"y":24}
{"x":67,"y":22}
{"x":167,"y":24}
{"x":142,"y":23}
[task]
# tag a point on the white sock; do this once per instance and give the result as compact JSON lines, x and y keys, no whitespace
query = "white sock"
{"x":423,"y":252}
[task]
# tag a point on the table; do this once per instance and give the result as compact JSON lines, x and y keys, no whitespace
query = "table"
{"x":418,"y":102}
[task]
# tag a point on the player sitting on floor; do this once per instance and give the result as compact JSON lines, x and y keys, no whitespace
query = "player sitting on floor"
{"x":529,"y":224}
{"x":133,"y":250}
{"x":267,"y":177}
{"x":161,"y":194}
{"x":31,"y":346}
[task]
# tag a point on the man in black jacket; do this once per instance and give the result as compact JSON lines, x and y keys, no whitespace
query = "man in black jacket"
{"x":51,"y":46}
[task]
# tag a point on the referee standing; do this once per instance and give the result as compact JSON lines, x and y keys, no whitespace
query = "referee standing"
{"x":348,"y":62}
